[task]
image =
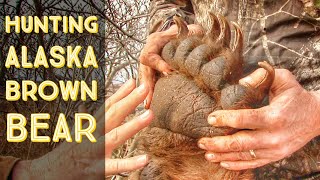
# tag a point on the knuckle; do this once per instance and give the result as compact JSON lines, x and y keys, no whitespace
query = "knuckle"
{"x":283,"y":152}
{"x":143,"y":59}
{"x":235,"y":144}
{"x":274,"y":114}
{"x":244,"y":156}
{"x":274,"y":141}
{"x":239,"y":120}
{"x":112,"y":110}
{"x":155,"y":37}
{"x":113,"y":136}
{"x":108,"y":104}
{"x":123,"y":165}
{"x":257,"y":114}
{"x":227,"y":119}
{"x":116,"y":166}
{"x":152,"y":36}
{"x":276,"y":118}
{"x":285,"y":72}
{"x":223,"y":119}
{"x":112,"y":167}
{"x":276,"y":155}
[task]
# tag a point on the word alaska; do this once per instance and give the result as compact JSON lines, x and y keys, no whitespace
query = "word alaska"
{"x":59,"y":57}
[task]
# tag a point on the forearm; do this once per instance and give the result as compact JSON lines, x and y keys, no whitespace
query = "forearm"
{"x":21,"y":170}
{"x":7,"y":165}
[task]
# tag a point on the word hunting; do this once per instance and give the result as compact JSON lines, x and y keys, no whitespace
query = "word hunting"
{"x":36,"y":24}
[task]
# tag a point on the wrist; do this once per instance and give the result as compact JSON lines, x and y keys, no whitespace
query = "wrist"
{"x":21,"y":170}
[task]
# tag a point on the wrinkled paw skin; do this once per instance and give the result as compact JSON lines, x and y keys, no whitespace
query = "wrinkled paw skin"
{"x":208,"y":69}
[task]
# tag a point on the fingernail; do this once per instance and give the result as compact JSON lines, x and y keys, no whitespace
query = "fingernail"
{"x":165,"y":74}
{"x":145,"y":114}
{"x":142,"y":88}
{"x":143,"y":160}
{"x":247,"y":81}
{"x":201,"y":145}
{"x":212,"y":120}
{"x":225,"y":165}
{"x":210,"y":157}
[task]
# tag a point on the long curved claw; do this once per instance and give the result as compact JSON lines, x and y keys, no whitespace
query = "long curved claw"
{"x":267,"y":81}
{"x":183,"y":30}
{"x":237,"y":46}
{"x":225,"y":35}
{"x":215,"y":30}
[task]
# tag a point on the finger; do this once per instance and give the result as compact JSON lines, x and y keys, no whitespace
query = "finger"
{"x":240,"y":141}
{"x":254,"y":79}
{"x":155,"y":61}
{"x":242,"y":165}
{"x":115,"y":166}
{"x":119,"y":135}
{"x":118,"y":111}
{"x":233,"y":156}
{"x":147,"y":76}
{"x":242,"y":156}
{"x":172,"y":32}
{"x":148,"y":100}
{"x":122,"y":92}
{"x":240,"y":119}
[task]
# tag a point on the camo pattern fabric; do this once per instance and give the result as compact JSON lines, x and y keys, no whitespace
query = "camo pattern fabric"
{"x":283,"y":32}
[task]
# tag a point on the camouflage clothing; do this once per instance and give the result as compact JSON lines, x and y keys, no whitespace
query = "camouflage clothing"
{"x":283,"y":32}
{"x":280,"y":31}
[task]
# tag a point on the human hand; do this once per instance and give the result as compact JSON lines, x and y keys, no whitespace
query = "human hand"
{"x":150,"y":56}
{"x":118,"y":107}
{"x":93,"y":160}
{"x":274,"y":132}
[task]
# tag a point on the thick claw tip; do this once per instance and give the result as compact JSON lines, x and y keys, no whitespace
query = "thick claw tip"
{"x":268,"y":80}
{"x":225,"y":35}
{"x":183,"y":30}
{"x":214,"y":31}
{"x":265,"y":65}
{"x":238,"y":40}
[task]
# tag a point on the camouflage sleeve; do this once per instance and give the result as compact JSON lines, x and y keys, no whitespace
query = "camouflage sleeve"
{"x":6,"y":166}
{"x":162,"y":12}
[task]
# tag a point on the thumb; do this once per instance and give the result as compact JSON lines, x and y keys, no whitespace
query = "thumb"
{"x":284,"y":81}
{"x":260,"y":80}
